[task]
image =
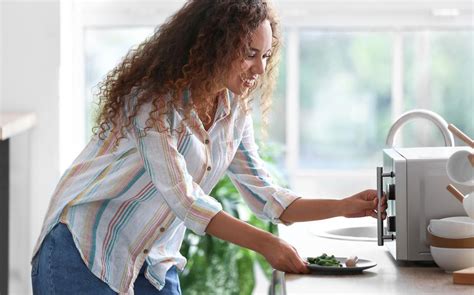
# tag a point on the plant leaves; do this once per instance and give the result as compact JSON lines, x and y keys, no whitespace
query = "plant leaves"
{"x":218,"y":267}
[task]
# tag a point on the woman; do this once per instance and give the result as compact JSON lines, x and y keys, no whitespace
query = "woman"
{"x":174,"y":117}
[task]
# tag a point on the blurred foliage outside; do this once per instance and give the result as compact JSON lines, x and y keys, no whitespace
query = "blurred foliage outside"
{"x":346,"y":100}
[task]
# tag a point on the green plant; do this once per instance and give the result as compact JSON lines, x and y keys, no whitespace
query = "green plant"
{"x":216,"y":266}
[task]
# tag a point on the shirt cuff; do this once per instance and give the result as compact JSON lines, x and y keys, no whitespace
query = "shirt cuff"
{"x":281,"y":200}
{"x":202,"y":210}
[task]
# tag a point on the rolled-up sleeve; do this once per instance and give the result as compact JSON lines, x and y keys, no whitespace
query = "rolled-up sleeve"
{"x":168,"y":172}
{"x":248,"y":173}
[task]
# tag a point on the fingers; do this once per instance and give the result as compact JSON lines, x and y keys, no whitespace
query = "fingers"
{"x":295,"y":263}
{"x":372,"y":213}
{"x":370,"y":195}
{"x":287,"y":259}
{"x":366,"y":204}
{"x":299,"y":264}
{"x":383,"y":207}
{"x":303,"y":266}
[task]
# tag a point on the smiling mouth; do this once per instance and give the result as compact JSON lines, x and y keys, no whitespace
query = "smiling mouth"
{"x":249,"y":82}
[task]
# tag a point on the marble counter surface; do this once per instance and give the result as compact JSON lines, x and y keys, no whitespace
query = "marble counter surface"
{"x":14,"y":123}
{"x":388,"y":277}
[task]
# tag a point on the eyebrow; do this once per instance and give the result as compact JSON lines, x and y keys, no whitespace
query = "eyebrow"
{"x":258,"y":50}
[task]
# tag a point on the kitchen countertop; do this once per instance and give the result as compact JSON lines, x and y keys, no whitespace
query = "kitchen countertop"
{"x":388,"y":277}
{"x":14,"y":123}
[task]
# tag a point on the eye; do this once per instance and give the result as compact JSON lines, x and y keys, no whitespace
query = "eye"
{"x":268,"y":54}
{"x":251,"y":54}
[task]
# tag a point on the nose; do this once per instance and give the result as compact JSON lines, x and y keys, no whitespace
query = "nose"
{"x":259,"y":66}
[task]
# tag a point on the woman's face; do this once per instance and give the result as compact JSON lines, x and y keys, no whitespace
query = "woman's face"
{"x":244,"y":74}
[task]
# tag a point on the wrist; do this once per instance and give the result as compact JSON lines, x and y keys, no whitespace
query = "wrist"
{"x":343,"y":207}
{"x":264,"y":242}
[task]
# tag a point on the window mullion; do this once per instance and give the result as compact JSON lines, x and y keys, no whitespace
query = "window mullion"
{"x":397,"y":76}
{"x":292,"y":100}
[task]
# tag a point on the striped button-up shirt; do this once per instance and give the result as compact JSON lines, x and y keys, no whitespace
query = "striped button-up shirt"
{"x":131,"y":203}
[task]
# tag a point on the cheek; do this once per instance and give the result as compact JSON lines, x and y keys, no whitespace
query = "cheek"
{"x":238,"y":68}
{"x":245,"y":66}
{"x":234,"y":79}
{"x":242,"y":68}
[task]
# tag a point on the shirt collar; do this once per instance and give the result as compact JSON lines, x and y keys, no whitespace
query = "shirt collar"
{"x":223,"y":102}
{"x":223,"y":107}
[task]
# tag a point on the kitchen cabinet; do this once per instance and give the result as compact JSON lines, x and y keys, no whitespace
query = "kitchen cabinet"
{"x":11,"y":124}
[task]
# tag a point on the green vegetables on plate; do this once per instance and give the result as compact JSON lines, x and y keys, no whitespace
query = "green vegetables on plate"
{"x":324,"y":260}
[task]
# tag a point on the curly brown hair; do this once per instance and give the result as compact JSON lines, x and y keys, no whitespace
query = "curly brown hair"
{"x":191,"y":51}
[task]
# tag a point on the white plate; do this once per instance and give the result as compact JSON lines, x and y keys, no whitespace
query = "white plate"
{"x":361,"y":265}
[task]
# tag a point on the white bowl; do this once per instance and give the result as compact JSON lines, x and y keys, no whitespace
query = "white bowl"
{"x":459,"y":168}
{"x":452,"y":259}
{"x":457,"y":227}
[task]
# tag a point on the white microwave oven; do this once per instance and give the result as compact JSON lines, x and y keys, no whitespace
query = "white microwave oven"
{"x":414,"y":181}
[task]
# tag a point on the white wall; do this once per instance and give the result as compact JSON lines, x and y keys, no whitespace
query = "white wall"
{"x":29,"y":38}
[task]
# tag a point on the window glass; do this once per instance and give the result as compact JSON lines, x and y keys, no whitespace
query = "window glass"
{"x":277,"y":114}
{"x":104,"y":49}
{"x":275,"y":137}
{"x":344,"y":101}
{"x":439,"y":76}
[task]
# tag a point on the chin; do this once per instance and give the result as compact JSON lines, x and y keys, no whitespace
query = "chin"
{"x":238,"y":90}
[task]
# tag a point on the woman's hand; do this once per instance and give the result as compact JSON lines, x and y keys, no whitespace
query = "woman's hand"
{"x":277,"y":252}
{"x":282,"y":256}
{"x":363,"y":204}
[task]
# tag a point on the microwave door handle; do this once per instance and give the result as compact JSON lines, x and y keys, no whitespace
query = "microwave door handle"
{"x":380,"y":231}
{"x":379,"y":207}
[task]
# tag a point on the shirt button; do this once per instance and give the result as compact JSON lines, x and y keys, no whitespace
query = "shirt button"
{"x":162,"y":229}
{"x":206,"y":141}
{"x":146,"y":251}
{"x":209,"y":168}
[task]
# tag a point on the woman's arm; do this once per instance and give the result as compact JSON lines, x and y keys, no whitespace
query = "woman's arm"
{"x":249,"y":174}
{"x":277,"y":252}
{"x":359,"y":205}
{"x":269,"y":201}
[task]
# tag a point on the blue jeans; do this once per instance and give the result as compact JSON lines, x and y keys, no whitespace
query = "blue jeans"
{"x":58,"y":268}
